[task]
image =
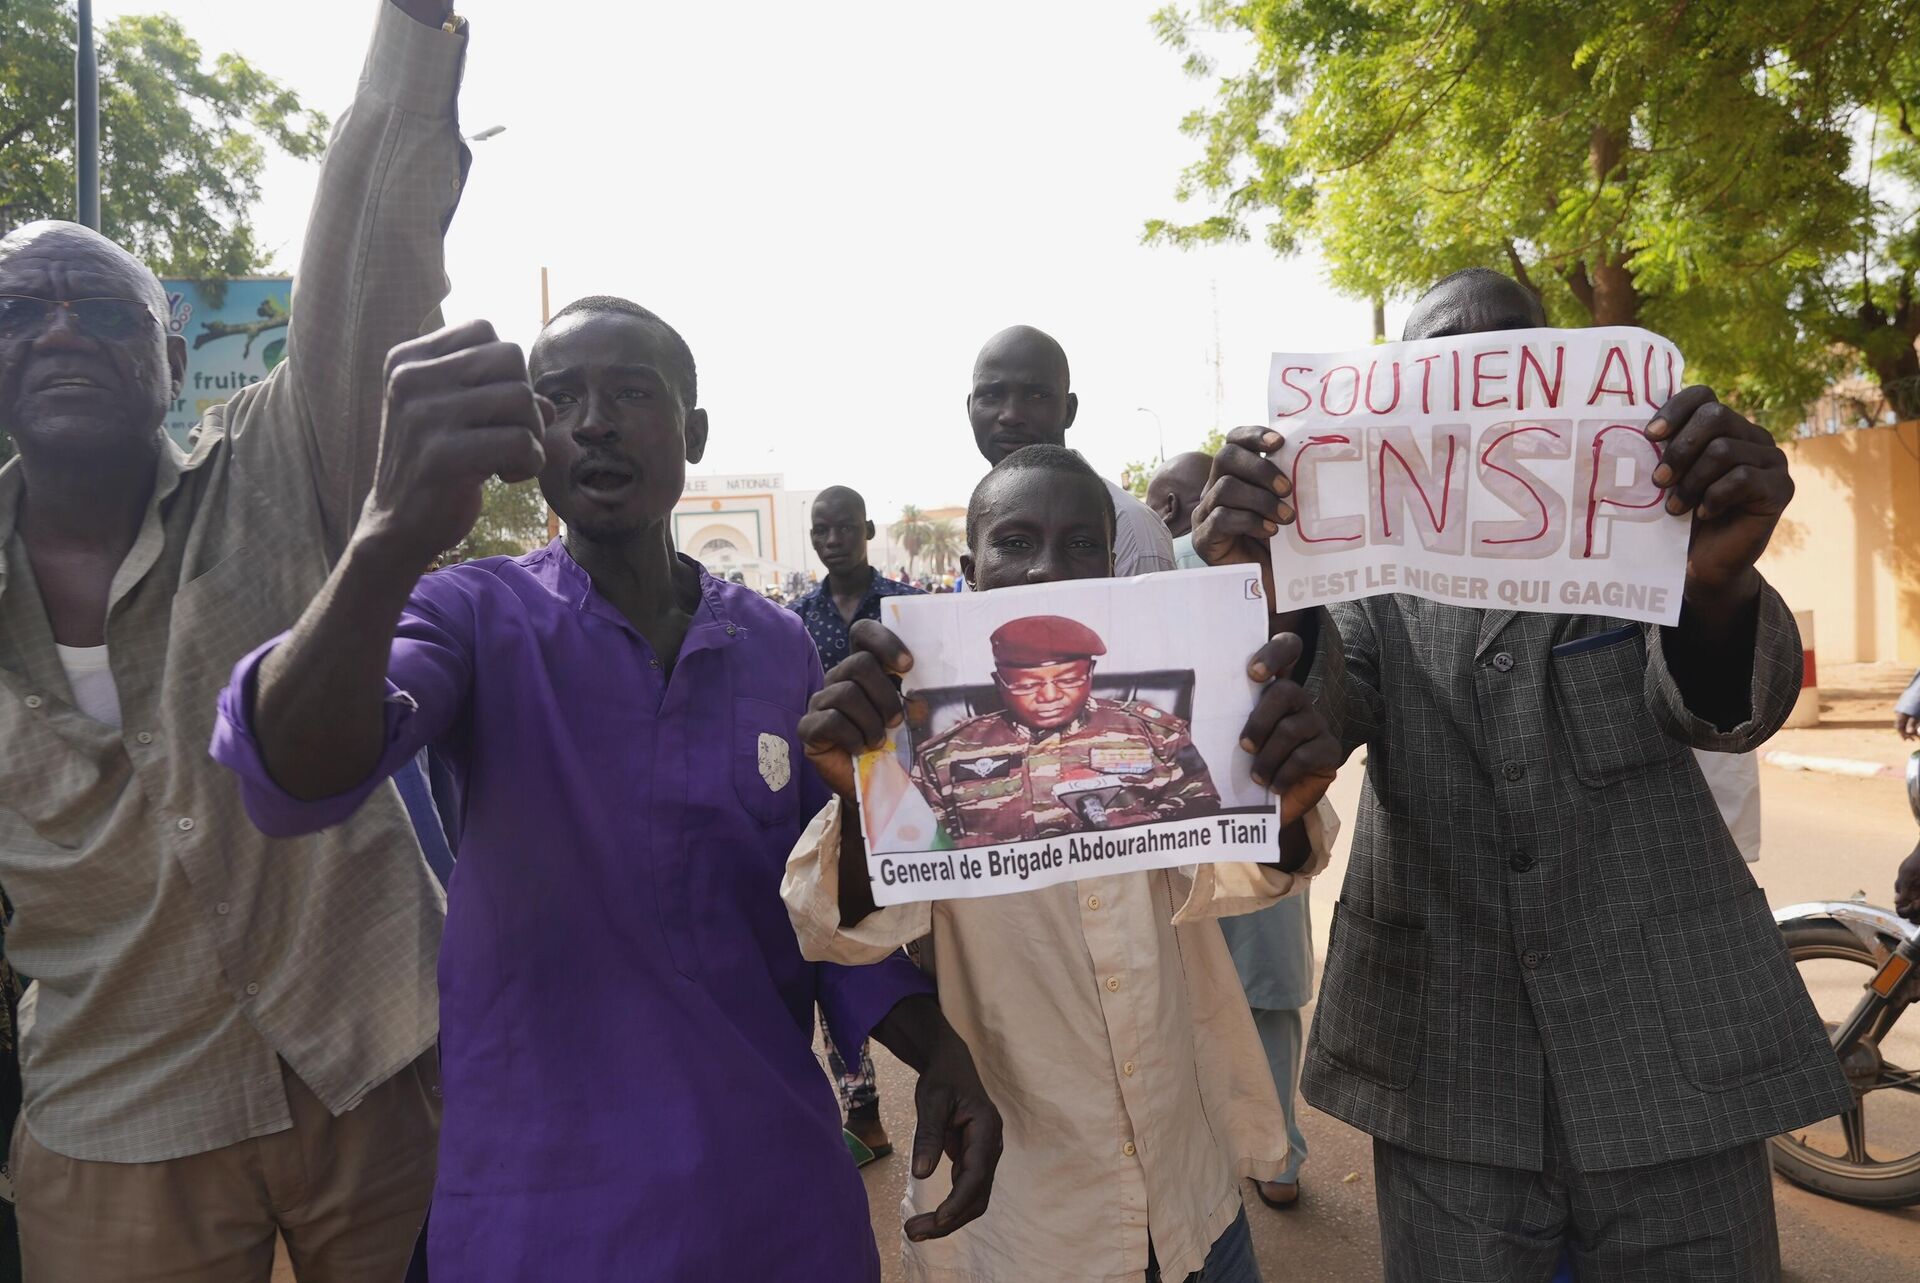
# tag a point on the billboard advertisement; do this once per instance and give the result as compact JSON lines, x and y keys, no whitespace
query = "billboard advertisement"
{"x":229,"y":345}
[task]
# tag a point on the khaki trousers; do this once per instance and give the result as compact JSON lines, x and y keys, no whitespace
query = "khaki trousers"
{"x":349,"y":1195}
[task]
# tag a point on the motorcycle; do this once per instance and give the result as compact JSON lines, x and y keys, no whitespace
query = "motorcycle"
{"x":1832,"y":942}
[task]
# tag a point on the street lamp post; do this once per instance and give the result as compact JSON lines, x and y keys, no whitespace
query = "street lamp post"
{"x":86,"y":122}
{"x":1159,"y":430}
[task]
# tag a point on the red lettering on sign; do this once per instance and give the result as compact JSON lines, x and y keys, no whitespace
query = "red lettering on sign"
{"x":1299,"y":522}
{"x":1389,"y":408}
{"x":1446,"y":486}
{"x":1550,"y":390}
{"x":1326,"y":381}
{"x":1593,"y":482}
{"x":1426,"y":380}
{"x":1616,"y":355}
{"x":1486,"y":460}
{"x":1481,"y":376}
{"x":1306,"y":397}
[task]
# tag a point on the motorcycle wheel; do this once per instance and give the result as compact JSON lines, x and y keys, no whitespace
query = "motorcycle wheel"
{"x":1855,"y":1176}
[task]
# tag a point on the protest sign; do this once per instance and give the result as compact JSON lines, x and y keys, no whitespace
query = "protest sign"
{"x":230,"y":345}
{"x":1507,"y":470}
{"x":1066,"y":731}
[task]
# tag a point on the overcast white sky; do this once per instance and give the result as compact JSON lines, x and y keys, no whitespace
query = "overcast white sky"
{"x":836,"y":204}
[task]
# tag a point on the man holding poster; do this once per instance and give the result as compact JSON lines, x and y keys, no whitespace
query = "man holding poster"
{"x":1105,"y":1012}
{"x":1553,"y":995}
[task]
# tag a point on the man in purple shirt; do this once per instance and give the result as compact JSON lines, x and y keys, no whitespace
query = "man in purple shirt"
{"x":625,"y":1015}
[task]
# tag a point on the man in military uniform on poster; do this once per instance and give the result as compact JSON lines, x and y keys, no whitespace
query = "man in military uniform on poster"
{"x":1055,"y":759}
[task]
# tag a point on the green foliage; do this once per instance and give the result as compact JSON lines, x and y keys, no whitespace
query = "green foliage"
{"x":513,"y":520}
{"x":1682,"y":166}
{"x":182,"y":144}
{"x":945,"y":542}
{"x":914,"y":530}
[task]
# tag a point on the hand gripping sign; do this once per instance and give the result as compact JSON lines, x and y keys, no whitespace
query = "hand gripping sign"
{"x":1507,"y":470}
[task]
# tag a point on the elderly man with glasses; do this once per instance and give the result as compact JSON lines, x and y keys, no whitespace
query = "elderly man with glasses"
{"x":234,"y":1037}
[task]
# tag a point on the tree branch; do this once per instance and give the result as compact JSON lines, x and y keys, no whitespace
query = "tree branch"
{"x":1581,"y":286}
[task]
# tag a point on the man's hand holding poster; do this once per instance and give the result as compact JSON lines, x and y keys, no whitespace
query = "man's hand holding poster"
{"x":1065,"y":731}
{"x":1505,"y":470}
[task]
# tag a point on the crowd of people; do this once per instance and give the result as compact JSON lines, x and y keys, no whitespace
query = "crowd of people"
{"x":243,"y":740}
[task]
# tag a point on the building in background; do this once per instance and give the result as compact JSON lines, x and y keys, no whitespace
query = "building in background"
{"x":750,"y":524}
{"x":1848,"y":548}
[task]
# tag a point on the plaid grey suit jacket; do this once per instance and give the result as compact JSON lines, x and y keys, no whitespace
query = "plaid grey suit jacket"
{"x":1544,"y":904}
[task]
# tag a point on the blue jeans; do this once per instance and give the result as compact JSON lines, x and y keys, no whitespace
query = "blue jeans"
{"x":1229,"y":1260}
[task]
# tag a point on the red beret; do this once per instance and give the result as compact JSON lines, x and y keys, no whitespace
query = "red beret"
{"x":1044,"y":639}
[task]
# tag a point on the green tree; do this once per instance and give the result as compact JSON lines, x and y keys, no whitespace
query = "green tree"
{"x":1135,"y":476}
{"x":182,"y":143}
{"x":513,"y":520}
{"x":914,"y":531}
{"x":1680,"y":166}
{"x":945,"y":542}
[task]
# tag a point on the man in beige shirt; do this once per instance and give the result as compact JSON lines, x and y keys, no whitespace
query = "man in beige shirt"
{"x":1104,"y":1015}
{"x":233,"y":1036}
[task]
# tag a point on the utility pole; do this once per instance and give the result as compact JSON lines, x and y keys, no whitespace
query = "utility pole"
{"x":86,"y":122}
{"x":1379,"y":319}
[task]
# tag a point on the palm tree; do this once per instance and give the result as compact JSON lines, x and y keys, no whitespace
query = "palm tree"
{"x":914,"y":532}
{"x":944,"y":545}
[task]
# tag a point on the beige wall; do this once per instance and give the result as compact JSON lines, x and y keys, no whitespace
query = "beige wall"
{"x":1849,"y":546}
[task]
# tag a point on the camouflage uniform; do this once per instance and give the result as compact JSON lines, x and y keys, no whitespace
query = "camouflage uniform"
{"x":991,"y":779}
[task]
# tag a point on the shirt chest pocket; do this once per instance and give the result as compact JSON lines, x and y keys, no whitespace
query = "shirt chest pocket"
{"x":1600,"y":696}
{"x":766,"y":761}
{"x":59,"y":771}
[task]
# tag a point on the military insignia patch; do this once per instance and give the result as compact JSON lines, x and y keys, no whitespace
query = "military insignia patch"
{"x":984,"y":768}
{"x":1121,"y":761}
{"x":776,"y":766}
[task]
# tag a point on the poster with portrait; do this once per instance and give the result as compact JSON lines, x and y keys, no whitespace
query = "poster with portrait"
{"x":1506,"y":470}
{"x":1065,"y":731}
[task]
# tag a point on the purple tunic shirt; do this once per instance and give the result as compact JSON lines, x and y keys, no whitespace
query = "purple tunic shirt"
{"x":630,"y":1086}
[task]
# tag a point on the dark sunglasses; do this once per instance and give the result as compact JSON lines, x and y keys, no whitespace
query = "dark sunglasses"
{"x":113,"y":320}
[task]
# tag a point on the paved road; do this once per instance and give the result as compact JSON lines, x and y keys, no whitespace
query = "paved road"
{"x":1826,"y":837}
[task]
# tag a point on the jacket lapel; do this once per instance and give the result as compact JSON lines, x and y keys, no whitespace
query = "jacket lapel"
{"x":1492,"y":624}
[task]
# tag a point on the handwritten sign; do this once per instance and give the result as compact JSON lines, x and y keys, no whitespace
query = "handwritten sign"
{"x":1508,"y":470}
{"x":1051,"y":735}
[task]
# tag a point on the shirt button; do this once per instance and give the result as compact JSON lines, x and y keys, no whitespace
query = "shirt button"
{"x":1513,"y":770}
{"x":1128,"y":1149}
{"x":144,"y":737}
{"x":1519,"y":862}
{"x":1503,"y":663}
{"x":1093,"y":902}
{"x":223,"y":908}
{"x":1127,"y":1069}
{"x":185,"y":824}
{"x":1531,"y":959}
{"x":31,"y":701}
{"x":252,"y":989}
{"x":731,"y":630}
{"x":653,"y":663}
{"x":1113,"y":984}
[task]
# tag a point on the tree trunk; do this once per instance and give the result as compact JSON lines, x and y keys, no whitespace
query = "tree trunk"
{"x":1616,"y":301}
{"x":1611,"y":297}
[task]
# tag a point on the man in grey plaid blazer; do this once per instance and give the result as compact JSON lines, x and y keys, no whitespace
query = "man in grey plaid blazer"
{"x":1554,"y":995}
